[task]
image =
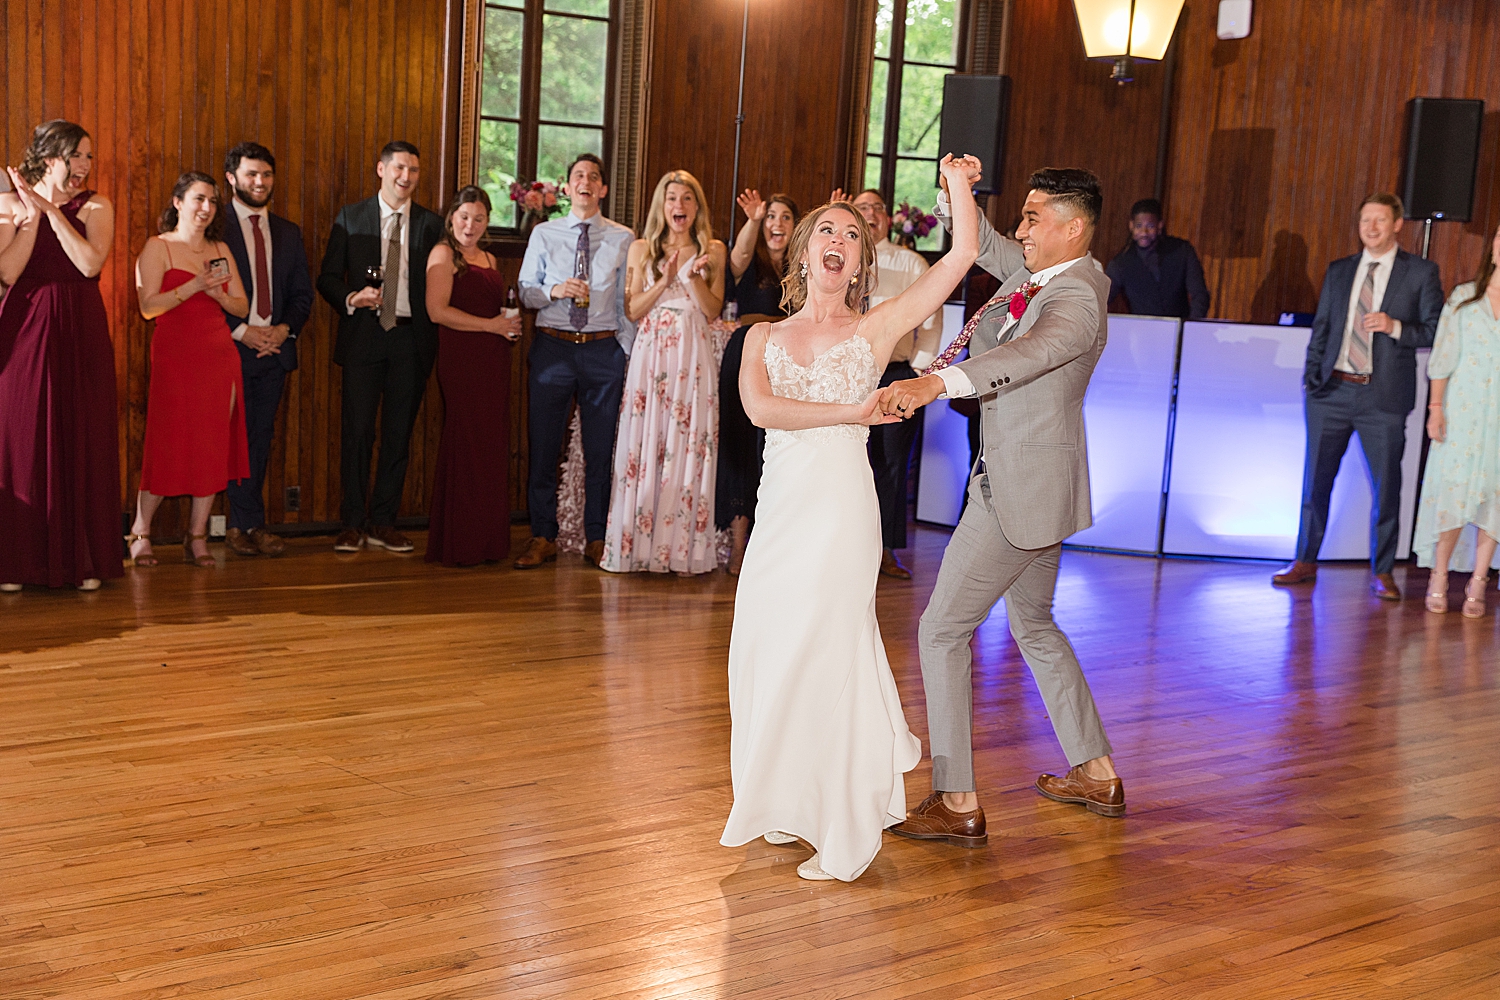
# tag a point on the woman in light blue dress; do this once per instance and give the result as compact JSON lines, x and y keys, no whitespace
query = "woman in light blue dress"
{"x":1462,"y":483}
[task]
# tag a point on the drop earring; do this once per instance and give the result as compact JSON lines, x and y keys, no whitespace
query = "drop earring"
{"x":804,"y":269}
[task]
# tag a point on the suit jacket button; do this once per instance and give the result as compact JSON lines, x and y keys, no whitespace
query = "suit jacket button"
{"x":994,"y":385}
{"x":1007,"y":380}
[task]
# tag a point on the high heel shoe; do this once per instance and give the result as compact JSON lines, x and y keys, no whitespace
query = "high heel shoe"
{"x":1437,"y":593}
{"x":203,"y":561}
{"x":145,"y":559}
{"x":1474,"y":596}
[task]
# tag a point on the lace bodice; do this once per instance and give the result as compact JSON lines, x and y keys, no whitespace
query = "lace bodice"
{"x":845,"y":373}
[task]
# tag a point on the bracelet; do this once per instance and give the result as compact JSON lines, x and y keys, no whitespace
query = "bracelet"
{"x":177,"y":294}
{"x":1434,"y":406}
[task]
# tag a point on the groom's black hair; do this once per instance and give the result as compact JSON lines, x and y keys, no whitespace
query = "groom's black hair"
{"x":1072,"y":186}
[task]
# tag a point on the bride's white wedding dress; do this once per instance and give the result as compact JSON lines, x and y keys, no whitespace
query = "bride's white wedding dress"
{"x":819,"y":745}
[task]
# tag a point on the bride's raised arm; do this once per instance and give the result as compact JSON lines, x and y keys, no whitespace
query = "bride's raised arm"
{"x":895,"y":318}
{"x":773,"y":412}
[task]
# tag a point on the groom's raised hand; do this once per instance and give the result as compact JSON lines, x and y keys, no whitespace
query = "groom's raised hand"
{"x":908,"y":395}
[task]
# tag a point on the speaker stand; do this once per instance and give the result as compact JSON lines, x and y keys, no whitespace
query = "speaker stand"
{"x":1426,"y":236}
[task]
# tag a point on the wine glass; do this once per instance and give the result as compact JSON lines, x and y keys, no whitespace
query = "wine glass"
{"x":374,"y":276}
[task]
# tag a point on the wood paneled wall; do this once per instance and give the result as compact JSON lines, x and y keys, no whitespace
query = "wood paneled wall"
{"x":794,"y":136}
{"x":1275,"y":138}
{"x":170,"y":85}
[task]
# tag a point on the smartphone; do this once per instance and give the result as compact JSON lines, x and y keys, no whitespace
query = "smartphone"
{"x":218,"y":269}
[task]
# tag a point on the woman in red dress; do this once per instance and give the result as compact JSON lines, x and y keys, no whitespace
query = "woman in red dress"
{"x":186,"y":280}
{"x":470,"y":514}
{"x":59,"y":444}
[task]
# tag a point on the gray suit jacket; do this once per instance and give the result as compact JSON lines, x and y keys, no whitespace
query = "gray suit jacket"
{"x":1031,"y":390}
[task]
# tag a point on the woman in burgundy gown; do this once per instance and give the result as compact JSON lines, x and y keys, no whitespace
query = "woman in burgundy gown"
{"x":470,"y":512}
{"x":59,"y":445}
{"x":186,"y":280}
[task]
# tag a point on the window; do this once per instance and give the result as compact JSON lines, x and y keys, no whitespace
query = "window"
{"x":916,"y":45}
{"x":543,"y":94}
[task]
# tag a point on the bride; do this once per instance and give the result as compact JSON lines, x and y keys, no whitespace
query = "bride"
{"x":819,"y":746}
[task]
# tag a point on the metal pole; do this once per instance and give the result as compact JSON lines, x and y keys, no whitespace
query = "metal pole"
{"x":739,"y":120}
{"x":1426,"y":236}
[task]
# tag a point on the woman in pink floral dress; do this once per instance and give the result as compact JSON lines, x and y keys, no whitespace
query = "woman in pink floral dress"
{"x":661,"y":510}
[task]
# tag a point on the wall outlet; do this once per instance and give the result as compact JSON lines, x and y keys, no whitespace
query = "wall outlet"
{"x":1234,"y":19}
{"x":291,"y":499}
{"x":217,"y":526}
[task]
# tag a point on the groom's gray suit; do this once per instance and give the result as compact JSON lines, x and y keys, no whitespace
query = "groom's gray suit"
{"x":1029,"y":492}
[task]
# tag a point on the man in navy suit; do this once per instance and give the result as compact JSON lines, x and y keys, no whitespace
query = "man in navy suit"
{"x":386,"y":342}
{"x":1376,"y":309}
{"x":273,"y":265}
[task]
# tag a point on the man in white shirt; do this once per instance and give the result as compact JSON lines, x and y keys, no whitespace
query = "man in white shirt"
{"x":1376,"y":310}
{"x":897,"y":269}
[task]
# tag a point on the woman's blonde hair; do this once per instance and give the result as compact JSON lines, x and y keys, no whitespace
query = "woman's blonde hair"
{"x":655,"y":233}
{"x":794,"y":285}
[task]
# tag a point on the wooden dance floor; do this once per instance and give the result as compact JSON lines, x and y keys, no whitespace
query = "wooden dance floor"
{"x":365,"y":777}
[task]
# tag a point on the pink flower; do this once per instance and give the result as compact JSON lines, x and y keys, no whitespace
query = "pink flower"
{"x":643,"y":522}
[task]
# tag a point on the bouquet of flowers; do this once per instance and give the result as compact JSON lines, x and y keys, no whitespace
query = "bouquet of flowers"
{"x":537,"y":199}
{"x":910,"y":224}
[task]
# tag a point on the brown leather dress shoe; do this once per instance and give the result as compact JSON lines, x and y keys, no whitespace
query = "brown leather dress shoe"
{"x":1105,"y":797}
{"x":1384,"y":587}
{"x":387,"y":537}
{"x":538,"y":551}
{"x":933,"y":820}
{"x":240,"y":543}
{"x":593,"y":553}
{"x":1297,"y":572}
{"x":891,"y":566}
{"x":266,"y":543}
{"x":349,"y":540}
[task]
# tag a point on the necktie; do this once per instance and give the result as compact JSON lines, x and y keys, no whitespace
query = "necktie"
{"x":262,"y":275}
{"x":962,"y":340}
{"x":392,"y":274}
{"x":579,"y":315}
{"x":1359,"y":338}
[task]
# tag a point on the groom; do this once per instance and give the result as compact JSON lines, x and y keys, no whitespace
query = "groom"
{"x":1033,"y":350}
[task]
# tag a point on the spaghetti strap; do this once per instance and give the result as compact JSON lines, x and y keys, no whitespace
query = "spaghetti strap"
{"x":170,"y":264}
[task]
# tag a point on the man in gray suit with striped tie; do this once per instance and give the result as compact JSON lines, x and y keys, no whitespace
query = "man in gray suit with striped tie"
{"x":1033,"y":348}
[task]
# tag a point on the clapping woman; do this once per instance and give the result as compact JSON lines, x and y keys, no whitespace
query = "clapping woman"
{"x":186,"y":280}
{"x":470,"y":521}
{"x":59,"y":451}
{"x":1462,"y":482}
{"x":757,"y":264}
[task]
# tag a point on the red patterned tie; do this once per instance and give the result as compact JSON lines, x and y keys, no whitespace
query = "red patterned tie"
{"x":262,"y":274}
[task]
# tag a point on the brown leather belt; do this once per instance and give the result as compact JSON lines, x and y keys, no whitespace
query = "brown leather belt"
{"x":575,"y":337}
{"x":1351,"y":377}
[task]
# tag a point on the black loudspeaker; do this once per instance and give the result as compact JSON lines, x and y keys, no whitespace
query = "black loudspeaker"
{"x":976,"y":111}
{"x":1442,"y":157}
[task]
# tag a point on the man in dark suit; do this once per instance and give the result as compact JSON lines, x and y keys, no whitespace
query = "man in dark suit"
{"x":273,"y":265}
{"x":1158,"y":275}
{"x":1376,"y":309}
{"x":386,"y":342}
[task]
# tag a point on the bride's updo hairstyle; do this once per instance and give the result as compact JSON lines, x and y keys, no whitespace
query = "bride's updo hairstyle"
{"x":794,"y":285}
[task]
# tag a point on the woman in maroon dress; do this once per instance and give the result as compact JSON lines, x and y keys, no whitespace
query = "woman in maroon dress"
{"x":59,"y":445}
{"x":470,"y":514}
{"x":186,"y":280}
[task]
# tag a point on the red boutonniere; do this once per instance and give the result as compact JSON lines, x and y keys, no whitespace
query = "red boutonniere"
{"x":1021,"y":298}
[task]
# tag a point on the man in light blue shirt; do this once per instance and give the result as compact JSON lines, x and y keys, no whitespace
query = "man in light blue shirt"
{"x":580,"y":350}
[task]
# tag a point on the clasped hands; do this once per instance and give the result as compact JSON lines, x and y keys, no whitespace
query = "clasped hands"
{"x":901,"y":400}
{"x":265,"y":340}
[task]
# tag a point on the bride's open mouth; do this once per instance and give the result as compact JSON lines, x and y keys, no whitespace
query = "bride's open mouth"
{"x":833,"y":262}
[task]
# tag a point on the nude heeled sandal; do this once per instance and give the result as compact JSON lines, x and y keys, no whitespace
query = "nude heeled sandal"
{"x":145,"y":559}
{"x":203,"y":562}
{"x":1474,"y":596}
{"x":1437,"y":596}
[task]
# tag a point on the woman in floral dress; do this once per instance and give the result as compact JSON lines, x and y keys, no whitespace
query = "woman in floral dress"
{"x":661,"y":511}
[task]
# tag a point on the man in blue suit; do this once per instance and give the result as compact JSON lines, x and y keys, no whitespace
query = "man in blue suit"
{"x":1376,"y":309}
{"x":273,"y":265}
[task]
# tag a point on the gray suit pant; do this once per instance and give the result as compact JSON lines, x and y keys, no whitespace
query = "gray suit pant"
{"x":979,"y":567}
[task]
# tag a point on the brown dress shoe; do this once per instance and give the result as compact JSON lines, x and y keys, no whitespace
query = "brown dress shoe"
{"x":266,"y":543}
{"x":891,"y":566}
{"x":387,"y":537}
{"x":240,"y":543}
{"x":538,"y":551}
{"x":593,"y":553}
{"x":1384,"y":587}
{"x":349,"y":540}
{"x":1105,"y":797}
{"x":1297,"y":572}
{"x":933,"y":820}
